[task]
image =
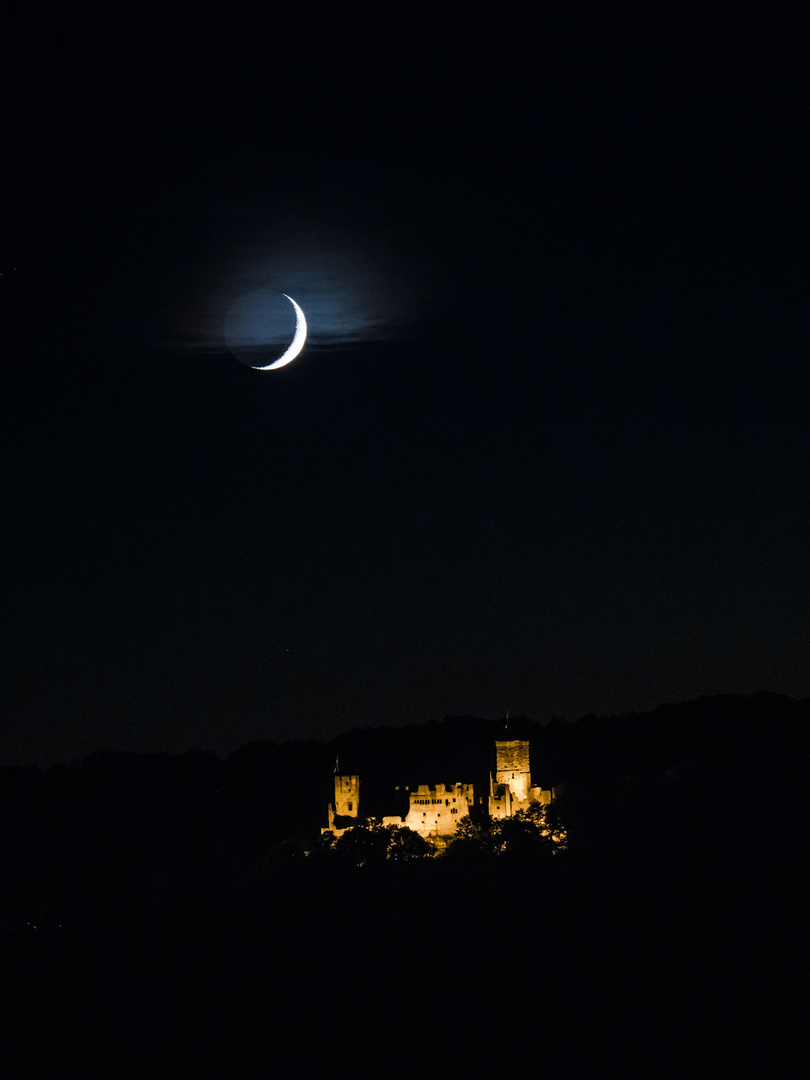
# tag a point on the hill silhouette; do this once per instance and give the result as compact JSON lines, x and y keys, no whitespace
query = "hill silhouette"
{"x":164,"y":908}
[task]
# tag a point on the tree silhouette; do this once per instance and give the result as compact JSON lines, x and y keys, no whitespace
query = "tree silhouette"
{"x":372,"y":843}
{"x":536,"y":831}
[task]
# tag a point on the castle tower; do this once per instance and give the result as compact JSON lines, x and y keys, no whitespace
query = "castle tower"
{"x":347,"y":795}
{"x":512,"y":767}
{"x":346,"y":804}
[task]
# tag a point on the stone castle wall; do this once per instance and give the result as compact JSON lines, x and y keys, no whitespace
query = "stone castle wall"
{"x":436,"y":811}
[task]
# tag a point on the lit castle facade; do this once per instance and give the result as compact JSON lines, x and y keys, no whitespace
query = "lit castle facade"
{"x":512,"y":790}
{"x":434,"y":812}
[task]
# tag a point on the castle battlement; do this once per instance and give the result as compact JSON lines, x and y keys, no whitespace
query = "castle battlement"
{"x":440,"y":794}
{"x":436,"y":811}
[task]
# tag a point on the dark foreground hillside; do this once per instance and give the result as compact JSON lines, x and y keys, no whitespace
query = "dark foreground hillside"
{"x":665,"y":942}
{"x":583,"y":970}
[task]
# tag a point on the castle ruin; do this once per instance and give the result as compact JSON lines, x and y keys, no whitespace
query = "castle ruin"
{"x":434,"y":812}
{"x":512,"y":790}
{"x":346,"y":804}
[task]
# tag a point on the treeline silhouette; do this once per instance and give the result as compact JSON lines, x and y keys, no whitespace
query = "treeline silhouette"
{"x":182,"y":912}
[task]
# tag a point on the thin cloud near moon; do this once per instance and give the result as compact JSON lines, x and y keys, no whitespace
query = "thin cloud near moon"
{"x":297,"y":343}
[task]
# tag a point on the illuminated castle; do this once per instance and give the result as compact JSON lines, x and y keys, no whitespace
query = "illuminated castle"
{"x":512,"y":790}
{"x":347,"y":801}
{"x":434,"y":812}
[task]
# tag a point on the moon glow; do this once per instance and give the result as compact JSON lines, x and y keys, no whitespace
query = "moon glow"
{"x":297,"y":343}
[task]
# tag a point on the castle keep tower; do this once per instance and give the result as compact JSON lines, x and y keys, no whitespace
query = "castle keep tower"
{"x":512,"y":767}
{"x":512,"y":790}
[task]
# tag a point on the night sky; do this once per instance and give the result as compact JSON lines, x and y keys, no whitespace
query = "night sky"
{"x":546,"y":449}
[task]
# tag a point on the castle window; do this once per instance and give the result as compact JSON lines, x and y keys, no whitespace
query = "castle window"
{"x":350,"y":807}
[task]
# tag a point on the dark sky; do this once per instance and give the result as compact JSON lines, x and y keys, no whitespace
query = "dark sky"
{"x":546,"y":449}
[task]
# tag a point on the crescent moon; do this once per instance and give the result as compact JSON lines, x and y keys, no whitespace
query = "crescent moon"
{"x":297,"y":343}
